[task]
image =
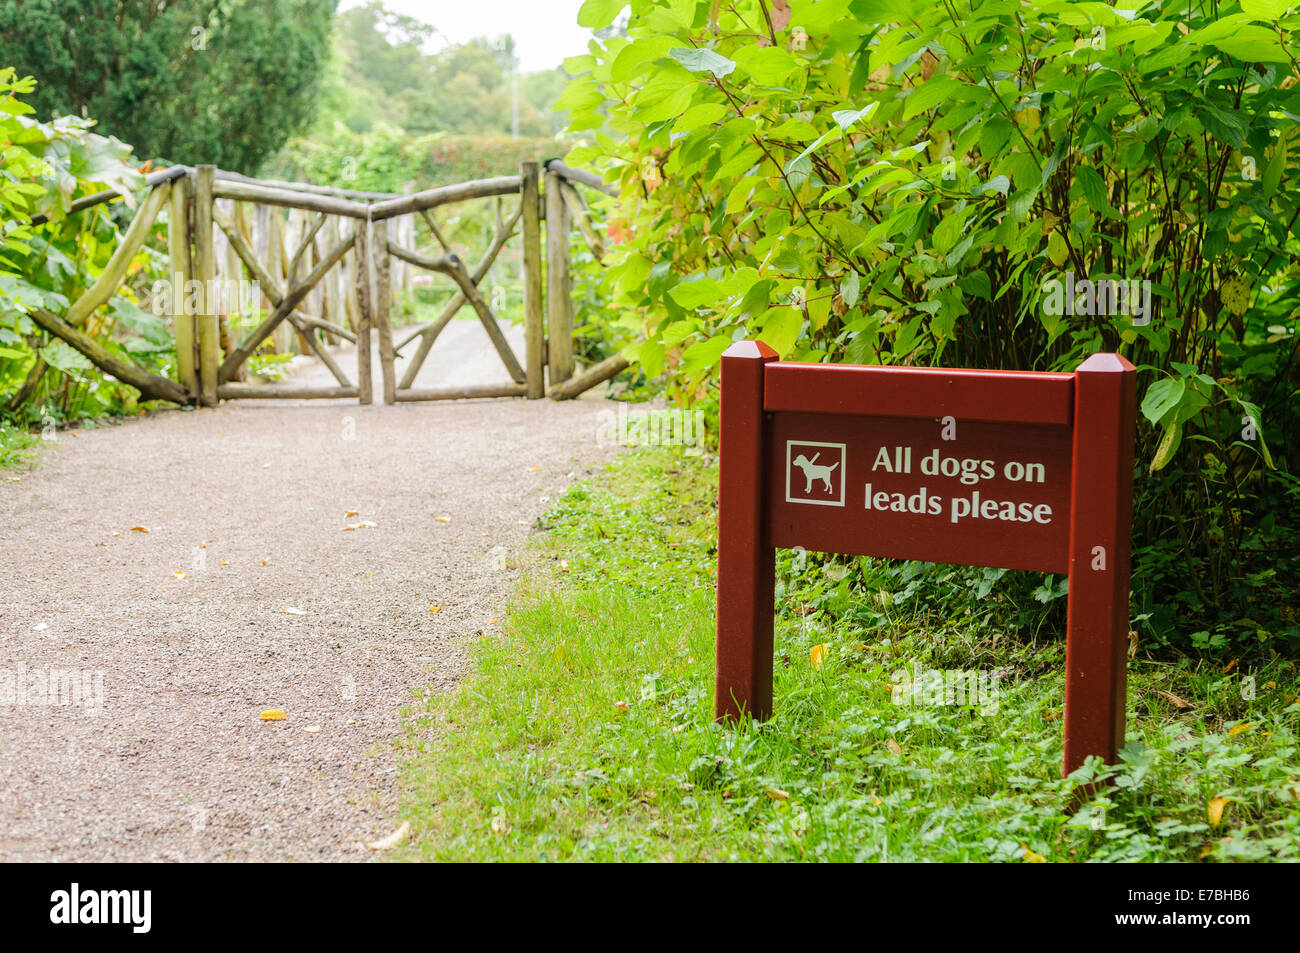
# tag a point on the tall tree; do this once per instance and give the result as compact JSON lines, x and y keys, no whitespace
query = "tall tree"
{"x":221,"y":81}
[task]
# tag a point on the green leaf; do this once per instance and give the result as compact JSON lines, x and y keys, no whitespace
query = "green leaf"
{"x":1093,"y":187}
{"x":701,"y":115}
{"x":62,"y":357}
{"x":847,"y":117}
{"x":692,"y":294}
{"x":976,"y":284}
{"x":702,"y":61}
{"x":1265,"y":9}
{"x":781,"y":329}
{"x":928,"y":95}
{"x":999,"y":183}
{"x":1162,"y":397}
{"x":1168,"y":445}
{"x":1057,"y":250}
{"x":1248,"y":42}
{"x":766,"y":65}
{"x":849,"y":289}
{"x":598,"y":14}
{"x":1276,"y":166}
{"x":651,"y":358}
{"x":703,"y":354}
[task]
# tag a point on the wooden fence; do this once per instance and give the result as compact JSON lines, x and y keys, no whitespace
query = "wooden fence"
{"x":327,"y":273}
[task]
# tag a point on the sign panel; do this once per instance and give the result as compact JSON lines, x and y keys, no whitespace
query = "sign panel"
{"x":973,"y":492}
{"x":1014,"y":470}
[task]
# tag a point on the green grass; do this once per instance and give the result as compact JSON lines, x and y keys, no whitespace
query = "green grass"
{"x":585,"y":731}
{"x":16,"y":446}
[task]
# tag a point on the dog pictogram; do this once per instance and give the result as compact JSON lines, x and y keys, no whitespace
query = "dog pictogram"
{"x":821,"y":467}
{"x":813,"y":472}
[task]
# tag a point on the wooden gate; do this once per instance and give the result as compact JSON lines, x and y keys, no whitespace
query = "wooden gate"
{"x":343,"y":258}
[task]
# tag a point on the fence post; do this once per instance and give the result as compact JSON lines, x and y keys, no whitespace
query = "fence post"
{"x":746,"y":558}
{"x":559,"y":286}
{"x":182,"y":271}
{"x":366,"y":388}
{"x":530,"y":199}
{"x":1101,"y":517}
{"x":384,"y":308}
{"x":205,"y":269}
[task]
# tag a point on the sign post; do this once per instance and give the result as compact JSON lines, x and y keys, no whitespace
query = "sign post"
{"x":1009,"y":469}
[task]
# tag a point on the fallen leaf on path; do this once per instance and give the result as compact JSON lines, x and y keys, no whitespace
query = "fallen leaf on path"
{"x":1215,"y":810}
{"x":369,"y":574}
{"x":437,"y":608}
{"x":533,"y":469}
{"x":178,"y":573}
{"x":351,"y":513}
{"x":492,"y":621}
{"x":364,"y":524}
{"x":444,"y":519}
{"x":224,"y":563}
{"x":1177,"y":702}
{"x":117,"y":534}
{"x":139,"y":529}
{"x":294,"y":610}
{"x":393,"y":839}
{"x":274,"y":714}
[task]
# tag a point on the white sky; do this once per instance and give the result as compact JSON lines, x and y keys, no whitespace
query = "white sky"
{"x":545,"y":31}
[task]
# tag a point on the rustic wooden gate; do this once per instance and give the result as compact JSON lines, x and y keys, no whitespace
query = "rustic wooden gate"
{"x":351,"y":241}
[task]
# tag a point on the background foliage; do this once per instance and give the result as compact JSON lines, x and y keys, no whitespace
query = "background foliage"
{"x":195,"y":81}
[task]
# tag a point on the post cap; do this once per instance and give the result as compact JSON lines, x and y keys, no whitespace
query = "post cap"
{"x":754,"y":350}
{"x":1106,"y":362}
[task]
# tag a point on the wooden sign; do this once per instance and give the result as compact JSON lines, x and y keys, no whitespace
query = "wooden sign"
{"x":1009,"y":469}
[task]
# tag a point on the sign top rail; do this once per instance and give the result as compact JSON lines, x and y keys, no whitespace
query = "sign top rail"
{"x":1023,"y":397}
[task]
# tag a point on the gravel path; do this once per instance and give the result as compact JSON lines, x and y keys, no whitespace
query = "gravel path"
{"x":161,"y":754}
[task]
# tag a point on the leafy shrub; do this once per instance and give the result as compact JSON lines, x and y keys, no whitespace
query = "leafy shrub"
{"x":44,"y":168}
{"x":885,"y":182}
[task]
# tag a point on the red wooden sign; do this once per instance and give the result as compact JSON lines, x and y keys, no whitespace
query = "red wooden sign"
{"x":987,"y":468}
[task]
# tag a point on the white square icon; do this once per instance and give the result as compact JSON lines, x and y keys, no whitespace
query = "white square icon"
{"x":814,"y":472}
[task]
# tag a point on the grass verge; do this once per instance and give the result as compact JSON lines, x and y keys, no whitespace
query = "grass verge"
{"x":16,"y":446}
{"x":586,"y":731}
